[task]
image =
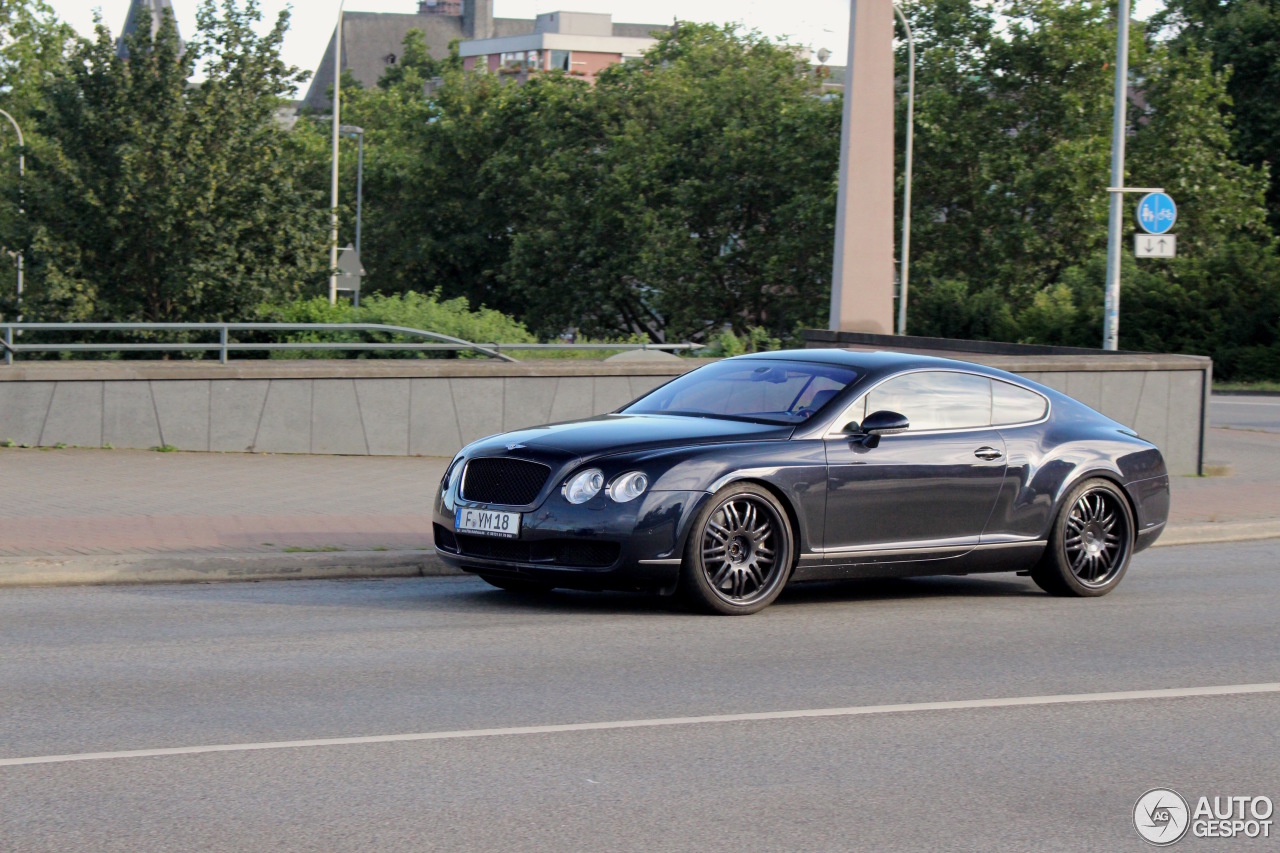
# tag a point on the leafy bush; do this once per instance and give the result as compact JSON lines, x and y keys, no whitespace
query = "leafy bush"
{"x":427,"y":312}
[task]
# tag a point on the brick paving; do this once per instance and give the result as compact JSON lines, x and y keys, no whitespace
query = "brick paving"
{"x":109,"y":502}
{"x":72,"y":501}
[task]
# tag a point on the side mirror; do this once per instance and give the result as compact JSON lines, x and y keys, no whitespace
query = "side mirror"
{"x":885,"y":423}
{"x":877,"y":424}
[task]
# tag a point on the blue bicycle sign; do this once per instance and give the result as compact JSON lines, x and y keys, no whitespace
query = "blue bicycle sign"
{"x":1157,"y":213}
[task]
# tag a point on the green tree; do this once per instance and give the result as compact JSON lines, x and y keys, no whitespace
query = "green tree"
{"x":1243,"y":38}
{"x":32,"y":52}
{"x":160,"y":199}
{"x":698,"y":193}
{"x":686,"y":191}
{"x":1010,"y":202}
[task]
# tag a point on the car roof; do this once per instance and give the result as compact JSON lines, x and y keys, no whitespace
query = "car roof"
{"x":877,"y":361}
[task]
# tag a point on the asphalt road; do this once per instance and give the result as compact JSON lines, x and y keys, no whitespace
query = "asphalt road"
{"x":86,"y":670}
{"x":1245,"y":412}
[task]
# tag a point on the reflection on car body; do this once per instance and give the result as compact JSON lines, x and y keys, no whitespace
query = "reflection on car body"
{"x":737,"y":478}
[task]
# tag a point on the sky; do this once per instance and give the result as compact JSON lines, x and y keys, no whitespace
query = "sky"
{"x":813,"y":23}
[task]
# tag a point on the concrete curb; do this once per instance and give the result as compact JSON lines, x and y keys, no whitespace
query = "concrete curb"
{"x":211,"y":568}
{"x":208,"y":568}
{"x":1229,"y":531}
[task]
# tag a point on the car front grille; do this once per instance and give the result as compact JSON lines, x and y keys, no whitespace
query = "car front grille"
{"x":584,"y":553}
{"x":507,"y":482}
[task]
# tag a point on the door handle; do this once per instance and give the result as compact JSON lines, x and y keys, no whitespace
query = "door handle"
{"x":990,"y":454}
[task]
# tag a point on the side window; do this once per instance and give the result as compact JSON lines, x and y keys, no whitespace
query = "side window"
{"x":1013,"y":405}
{"x":936,"y":400}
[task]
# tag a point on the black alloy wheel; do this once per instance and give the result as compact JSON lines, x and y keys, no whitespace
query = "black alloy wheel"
{"x":739,"y":553}
{"x":1091,"y":542}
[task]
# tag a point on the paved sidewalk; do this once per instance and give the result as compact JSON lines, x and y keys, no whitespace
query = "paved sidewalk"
{"x":126,"y":514}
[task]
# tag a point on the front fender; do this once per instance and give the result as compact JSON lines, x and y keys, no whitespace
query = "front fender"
{"x":794,"y":470}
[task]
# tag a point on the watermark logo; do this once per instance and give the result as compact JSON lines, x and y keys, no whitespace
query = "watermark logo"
{"x":1161,"y":817}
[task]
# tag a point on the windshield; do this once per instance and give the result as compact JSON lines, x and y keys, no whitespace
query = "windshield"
{"x":788,"y":392}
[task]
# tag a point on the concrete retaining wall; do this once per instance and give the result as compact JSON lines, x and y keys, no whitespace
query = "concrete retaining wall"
{"x":409,"y":407}
{"x":391,"y":407}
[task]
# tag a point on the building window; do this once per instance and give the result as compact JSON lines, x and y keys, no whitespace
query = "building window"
{"x":513,"y":60}
{"x":560,"y":60}
{"x":533,"y":61}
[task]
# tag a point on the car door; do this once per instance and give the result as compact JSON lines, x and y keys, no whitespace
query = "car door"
{"x":923,"y":493}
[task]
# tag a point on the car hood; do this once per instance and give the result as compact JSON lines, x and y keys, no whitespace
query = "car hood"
{"x":610,"y":434}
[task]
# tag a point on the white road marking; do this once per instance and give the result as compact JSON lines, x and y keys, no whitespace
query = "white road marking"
{"x":856,"y":711}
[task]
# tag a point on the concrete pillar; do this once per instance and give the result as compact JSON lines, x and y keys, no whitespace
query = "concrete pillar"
{"x":477,"y":19}
{"x":862,"y":279}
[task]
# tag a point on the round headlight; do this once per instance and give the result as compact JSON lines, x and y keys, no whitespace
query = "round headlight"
{"x":584,"y":486}
{"x":628,"y":487}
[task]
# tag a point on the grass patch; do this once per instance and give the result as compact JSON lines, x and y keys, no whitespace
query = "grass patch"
{"x":1273,"y":387}
{"x":165,"y":448}
{"x":325,"y":549}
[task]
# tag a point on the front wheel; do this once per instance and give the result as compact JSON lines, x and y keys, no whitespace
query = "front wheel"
{"x":1090,"y":544}
{"x":739,"y":553}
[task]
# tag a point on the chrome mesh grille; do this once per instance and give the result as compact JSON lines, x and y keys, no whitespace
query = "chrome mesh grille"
{"x":507,"y":482}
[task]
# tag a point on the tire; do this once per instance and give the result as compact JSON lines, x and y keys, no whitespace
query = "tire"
{"x":740,"y":552}
{"x":518,"y":585}
{"x":1091,"y":542}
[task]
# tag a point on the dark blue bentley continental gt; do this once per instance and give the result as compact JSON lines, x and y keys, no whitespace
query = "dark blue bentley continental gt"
{"x":737,"y":478}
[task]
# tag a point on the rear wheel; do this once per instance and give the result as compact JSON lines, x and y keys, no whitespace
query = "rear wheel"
{"x":518,"y":585}
{"x":739,"y":552}
{"x":1090,"y":544}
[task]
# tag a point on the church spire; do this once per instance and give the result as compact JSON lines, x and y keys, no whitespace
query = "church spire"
{"x":139,"y":10}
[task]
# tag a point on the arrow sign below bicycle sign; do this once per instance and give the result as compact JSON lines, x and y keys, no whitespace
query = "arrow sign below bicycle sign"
{"x":1155,"y":245}
{"x":1157,"y":213}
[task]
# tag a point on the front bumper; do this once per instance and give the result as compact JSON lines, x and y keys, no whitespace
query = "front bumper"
{"x":597,"y":545}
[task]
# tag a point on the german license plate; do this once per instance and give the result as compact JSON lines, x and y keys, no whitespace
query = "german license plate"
{"x":486,"y":522}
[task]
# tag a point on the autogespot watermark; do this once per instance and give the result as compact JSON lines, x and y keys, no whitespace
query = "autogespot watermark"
{"x":1163,"y":817}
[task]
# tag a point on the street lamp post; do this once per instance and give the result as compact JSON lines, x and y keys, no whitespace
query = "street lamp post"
{"x":358,"y":133}
{"x":350,"y":130}
{"x":22,"y":176}
{"x":904,"y":266}
{"x":337,"y":98}
{"x":1111,"y":311}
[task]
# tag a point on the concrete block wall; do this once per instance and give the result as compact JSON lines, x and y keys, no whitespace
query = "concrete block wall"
{"x":361,"y":410}
{"x":432,"y":408}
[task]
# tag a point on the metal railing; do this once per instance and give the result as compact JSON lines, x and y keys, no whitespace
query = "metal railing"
{"x":225,"y":345}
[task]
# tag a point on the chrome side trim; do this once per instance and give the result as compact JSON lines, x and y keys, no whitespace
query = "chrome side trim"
{"x":809,"y":558}
{"x":881,"y":551}
{"x":1020,"y":543}
{"x":1002,"y":539}
{"x":904,"y":547}
{"x":672,"y":561}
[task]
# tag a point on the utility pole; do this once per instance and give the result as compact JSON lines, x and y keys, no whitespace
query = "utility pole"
{"x":904,"y":266}
{"x":1111,"y":311}
{"x":337,"y":98}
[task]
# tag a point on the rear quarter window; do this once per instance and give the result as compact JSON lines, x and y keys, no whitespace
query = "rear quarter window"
{"x":1013,"y":405}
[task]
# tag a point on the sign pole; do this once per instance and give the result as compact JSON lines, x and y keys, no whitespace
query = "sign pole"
{"x":337,"y":98}
{"x":1111,"y":313}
